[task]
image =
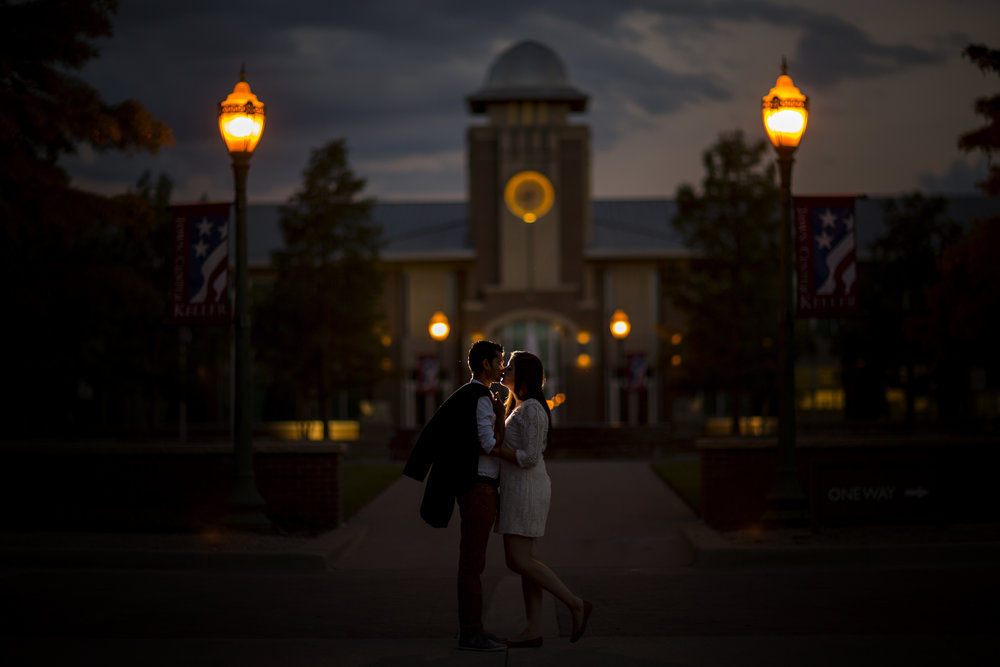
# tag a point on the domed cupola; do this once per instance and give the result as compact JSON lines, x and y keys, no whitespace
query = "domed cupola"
{"x":527,"y":72}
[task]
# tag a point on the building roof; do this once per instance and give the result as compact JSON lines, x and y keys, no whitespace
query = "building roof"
{"x":527,"y":71}
{"x":622,"y":228}
{"x":634,"y":229}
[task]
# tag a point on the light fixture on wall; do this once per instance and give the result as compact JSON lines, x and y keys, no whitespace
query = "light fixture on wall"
{"x":438,"y":326}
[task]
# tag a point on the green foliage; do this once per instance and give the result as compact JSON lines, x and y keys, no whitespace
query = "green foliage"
{"x":315,"y":328}
{"x":730,"y":294}
{"x":684,"y":477}
{"x":363,"y":482}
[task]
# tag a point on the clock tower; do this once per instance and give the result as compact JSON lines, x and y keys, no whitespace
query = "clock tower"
{"x":529,"y":214}
{"x":529,"y":179}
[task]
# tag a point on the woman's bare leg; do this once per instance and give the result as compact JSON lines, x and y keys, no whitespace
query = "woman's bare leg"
{"x":519,"y":551}
{"x":532,"y":607}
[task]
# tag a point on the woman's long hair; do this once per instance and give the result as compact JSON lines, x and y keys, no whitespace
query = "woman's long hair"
{"x":529,"y":378}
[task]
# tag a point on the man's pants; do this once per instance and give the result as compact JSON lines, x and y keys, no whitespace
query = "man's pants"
{"x":478,"y":509}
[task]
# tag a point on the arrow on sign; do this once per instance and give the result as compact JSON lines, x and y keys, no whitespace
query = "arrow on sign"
{"x":918,"y":492}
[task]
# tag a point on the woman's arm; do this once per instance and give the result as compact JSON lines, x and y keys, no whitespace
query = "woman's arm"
{"x":533,"y":426}
{"x":534,"y":430}
{"x":506,"y":453}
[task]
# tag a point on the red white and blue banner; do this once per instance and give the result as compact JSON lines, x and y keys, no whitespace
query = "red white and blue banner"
{"x":826,"y":267}
{"x":428,"y":370}
{"x":636,"y":372}
{"x":200,"y":291}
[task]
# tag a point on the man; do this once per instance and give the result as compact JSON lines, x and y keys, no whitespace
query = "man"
{"x":455,"y":445}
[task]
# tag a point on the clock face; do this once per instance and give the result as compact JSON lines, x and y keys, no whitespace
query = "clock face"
{"x":529,"y":195}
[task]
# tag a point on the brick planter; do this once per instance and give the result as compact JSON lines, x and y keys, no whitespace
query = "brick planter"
{"x":164,"y":486}
{"x":854,"y":480}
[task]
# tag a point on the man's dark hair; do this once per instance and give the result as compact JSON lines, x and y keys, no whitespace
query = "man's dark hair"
{"x":482,"y":350}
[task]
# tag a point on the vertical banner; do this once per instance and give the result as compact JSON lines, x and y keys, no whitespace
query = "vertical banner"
{"x":825,"y":258}
{"x":636,"y":372}
{"x":200,"y":292}
{"x":428,"y":368}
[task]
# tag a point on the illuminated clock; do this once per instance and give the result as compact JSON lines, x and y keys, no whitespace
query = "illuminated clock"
{"x":529,"y":195}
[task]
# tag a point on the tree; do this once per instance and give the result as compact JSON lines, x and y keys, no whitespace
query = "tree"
{"x":885,"y":346}
{"x":315,"y":328}
{"x":127,"y":349}
{"x":931,"y":292}
{"x":961,"y":329}
{"x":730,"y":296}
{"x":46,"y":112}
{"x":73,"y":265}
{"x":986,"y":138}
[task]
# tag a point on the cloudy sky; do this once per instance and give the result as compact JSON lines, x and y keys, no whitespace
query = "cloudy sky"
{"x":889,"y":91}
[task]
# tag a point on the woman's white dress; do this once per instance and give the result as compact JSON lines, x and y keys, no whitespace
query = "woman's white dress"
{"x":525,"y":489}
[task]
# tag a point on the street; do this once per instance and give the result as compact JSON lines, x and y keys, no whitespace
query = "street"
{"x":389,"y":599}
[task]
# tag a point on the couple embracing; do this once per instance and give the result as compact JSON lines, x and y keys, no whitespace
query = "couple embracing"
{"x":487,"y":455}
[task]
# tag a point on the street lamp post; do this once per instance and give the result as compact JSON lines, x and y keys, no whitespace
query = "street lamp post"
{"x":785,"y":111}
{"x":620,"y":328}
{"x":241,"y":122}
{"x":439,"y":328}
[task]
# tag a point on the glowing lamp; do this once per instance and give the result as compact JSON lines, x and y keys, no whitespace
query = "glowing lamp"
{"x":785,"y":111}
{"x":620,"y":326}
{"x":438,"y":326}
{"x":241,"y":118}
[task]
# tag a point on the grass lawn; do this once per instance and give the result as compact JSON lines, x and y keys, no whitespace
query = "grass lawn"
{"x":364,"y":481}
{"x":684,"y":477}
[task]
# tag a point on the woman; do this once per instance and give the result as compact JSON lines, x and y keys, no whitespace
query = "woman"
{"x":524,"y":497}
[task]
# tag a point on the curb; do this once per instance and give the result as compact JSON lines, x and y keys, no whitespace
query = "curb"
{"x":158,"y":560}
{"x":711,"y":550}
{"x":319,"y":557}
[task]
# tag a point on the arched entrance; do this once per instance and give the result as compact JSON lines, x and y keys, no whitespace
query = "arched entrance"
{"x":542,"y":337}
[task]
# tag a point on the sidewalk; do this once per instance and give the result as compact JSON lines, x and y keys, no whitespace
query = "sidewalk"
{"x":588,"y":501}
{"x":611,"y":521}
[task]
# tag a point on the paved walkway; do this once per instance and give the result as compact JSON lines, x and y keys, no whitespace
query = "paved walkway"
{"x":609,"y":520}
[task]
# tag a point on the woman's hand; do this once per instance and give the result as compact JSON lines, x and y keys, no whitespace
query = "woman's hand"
{"x":498,"y":407}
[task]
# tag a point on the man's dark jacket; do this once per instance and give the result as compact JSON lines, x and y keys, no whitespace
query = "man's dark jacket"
{"x":449,"y":447}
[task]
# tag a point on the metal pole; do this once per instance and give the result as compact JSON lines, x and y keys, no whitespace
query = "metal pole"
{"x":786,"y":502}
{"x":245,"y":503}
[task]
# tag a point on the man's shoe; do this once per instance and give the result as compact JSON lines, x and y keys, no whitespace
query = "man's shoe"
{"x":480,"y":643}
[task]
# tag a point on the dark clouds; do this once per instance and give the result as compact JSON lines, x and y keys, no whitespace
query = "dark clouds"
{"x":832,"y":51}
{"x":391,"y":75}
{"x":959,"y":178}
